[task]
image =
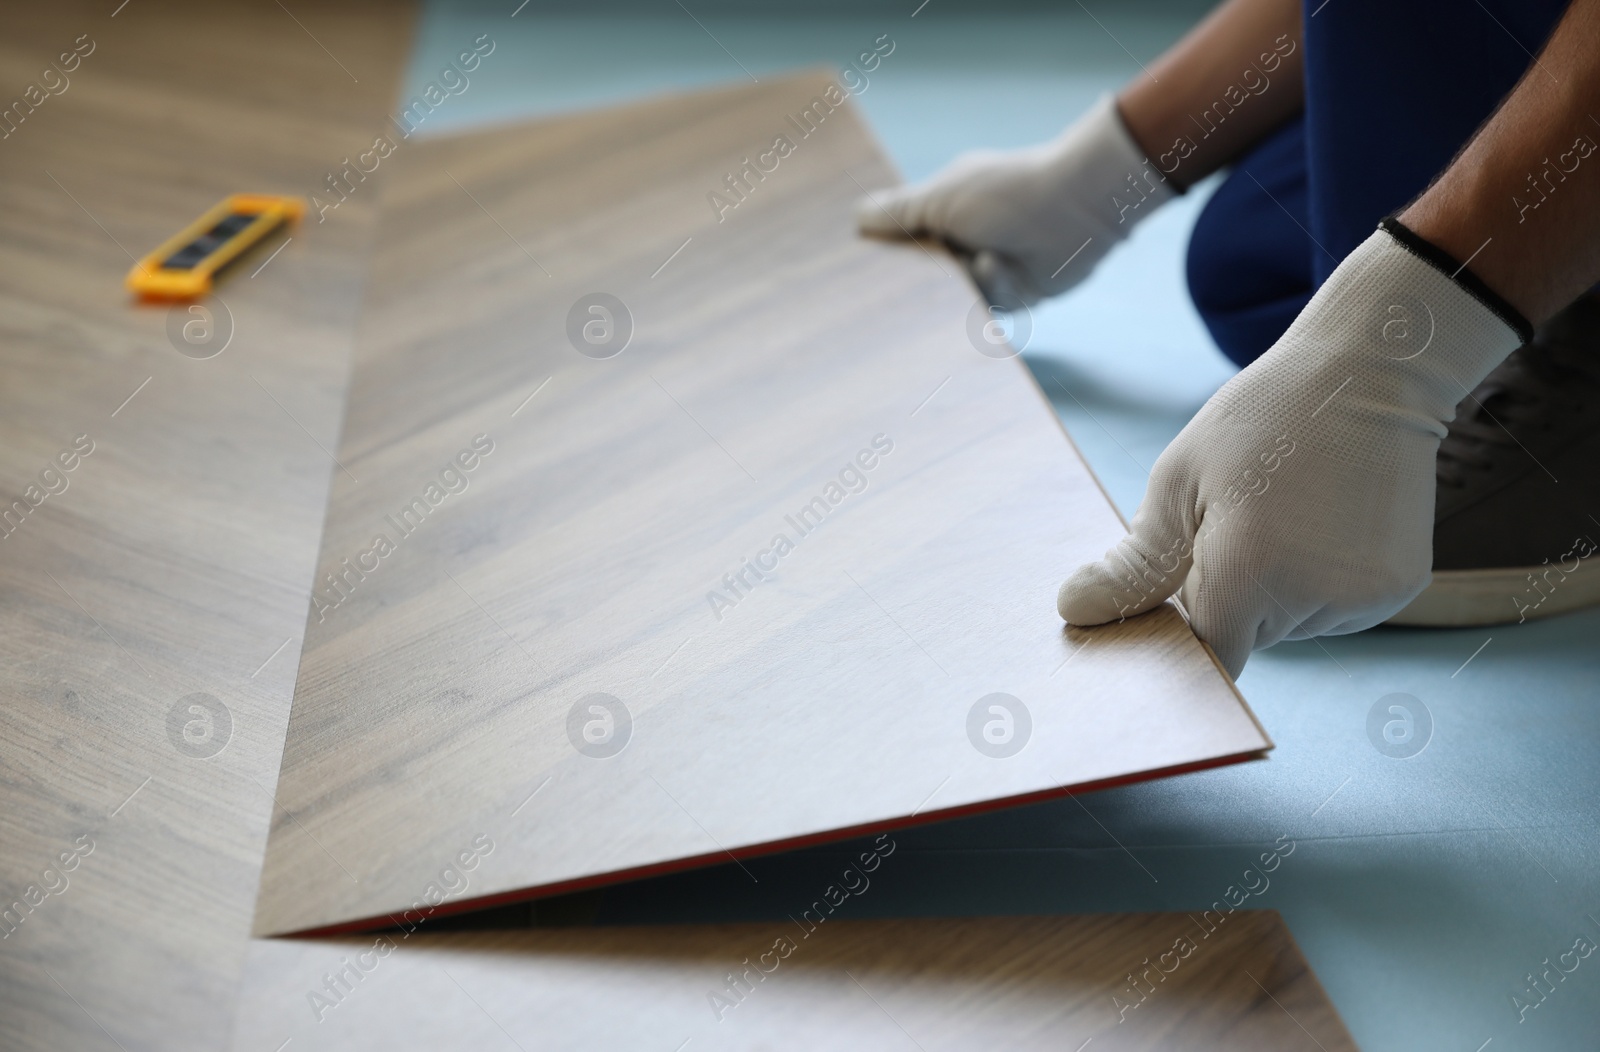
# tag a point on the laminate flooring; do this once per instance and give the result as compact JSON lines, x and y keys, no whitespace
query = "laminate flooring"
{"x":165,"y":475}
{"x":677,"y":521}
{"x":1124,"y":982}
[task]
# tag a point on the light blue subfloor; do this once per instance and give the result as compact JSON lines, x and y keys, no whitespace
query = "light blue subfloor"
{"x":1422,"y":890}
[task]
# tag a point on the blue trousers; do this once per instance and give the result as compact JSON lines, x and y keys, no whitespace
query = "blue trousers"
{"x":1392,"y":92}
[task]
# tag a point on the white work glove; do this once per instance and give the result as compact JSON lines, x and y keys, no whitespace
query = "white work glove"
{"x":1299,"y":500}
{"x":1018,"y":216}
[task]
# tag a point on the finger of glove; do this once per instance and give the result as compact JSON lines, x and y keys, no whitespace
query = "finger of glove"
{"x":896,"y":212}
{"x":1235,"y":611}
{"x":1230,"y":624}
{"x":1003,"y":284}
{"x":1144,"y":569}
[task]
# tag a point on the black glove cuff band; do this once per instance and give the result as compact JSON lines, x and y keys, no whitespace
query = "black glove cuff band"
{"x":1457,"y":272}
{"x":1460,"y":274}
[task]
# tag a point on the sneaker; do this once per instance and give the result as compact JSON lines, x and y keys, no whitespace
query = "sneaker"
{"x":1517,"y":516}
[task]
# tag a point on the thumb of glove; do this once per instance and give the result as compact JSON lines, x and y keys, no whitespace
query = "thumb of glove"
{"x":1144,"y":569}
{"x":894,"y":212}
{"x":1003,"y":285}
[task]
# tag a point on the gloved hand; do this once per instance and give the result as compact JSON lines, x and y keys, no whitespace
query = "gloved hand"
{"x":1299,"y":501}
{"x":1018,"y":216}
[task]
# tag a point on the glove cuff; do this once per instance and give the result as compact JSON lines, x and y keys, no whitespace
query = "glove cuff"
{"x":1458,"y":272}
{"x":1114,"y":168}
{"x":1388,"y":333}
{"x":1430,"y":333}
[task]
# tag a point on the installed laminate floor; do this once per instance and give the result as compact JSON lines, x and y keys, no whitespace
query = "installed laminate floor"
{"x":1129,"y":983}
{"x":173,"y":475}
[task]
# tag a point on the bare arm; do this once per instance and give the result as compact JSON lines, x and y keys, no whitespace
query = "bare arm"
{"x":1241,"y":64}
{"x":1521,"y":203}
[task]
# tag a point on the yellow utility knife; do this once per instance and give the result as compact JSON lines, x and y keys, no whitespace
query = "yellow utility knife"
{"x":184,"y":265}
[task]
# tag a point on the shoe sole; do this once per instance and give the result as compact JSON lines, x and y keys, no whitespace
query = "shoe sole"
{"x":1467,"y":598}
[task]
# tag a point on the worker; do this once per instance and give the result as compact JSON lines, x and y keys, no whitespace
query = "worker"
{"x":1402,"y":254}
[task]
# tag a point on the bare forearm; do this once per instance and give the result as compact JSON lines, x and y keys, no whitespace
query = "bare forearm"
{"x":1521,"y":204}
{"x":1218,"y":91}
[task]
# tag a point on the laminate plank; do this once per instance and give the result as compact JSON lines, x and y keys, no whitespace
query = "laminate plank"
{"x":175,"y":558}
{"x":573,"y":523}
{"x":1127,"y":982}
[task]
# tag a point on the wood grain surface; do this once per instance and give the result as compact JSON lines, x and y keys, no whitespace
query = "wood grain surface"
{"x":529,"y":520}
{"x":175,"y":558}
{"x":1129,"y":982}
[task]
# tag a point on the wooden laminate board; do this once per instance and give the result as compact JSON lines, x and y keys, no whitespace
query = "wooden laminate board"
{"x":175,"y":558}
{"x":528,"y":628}
{"x":1127,"y":982}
